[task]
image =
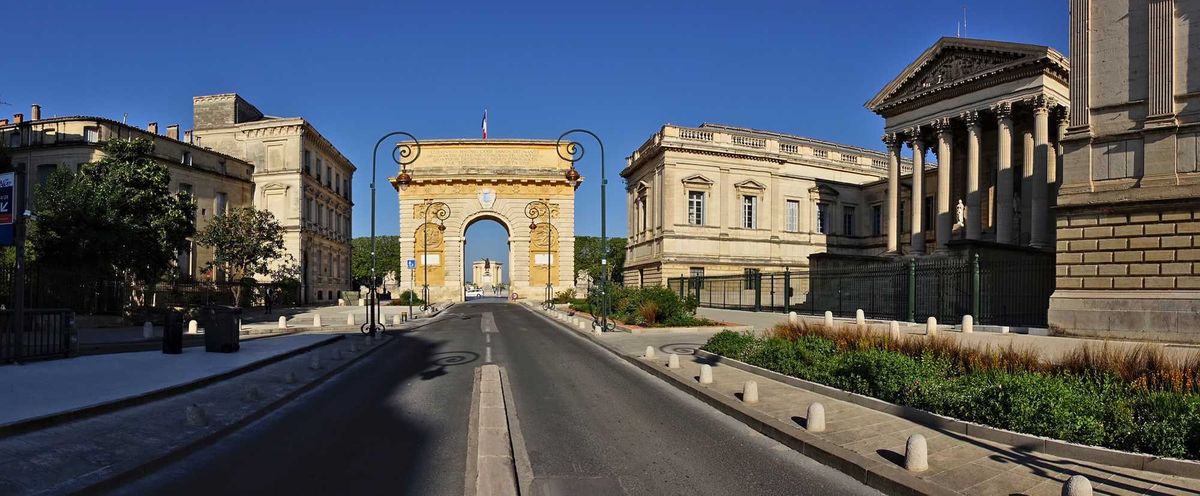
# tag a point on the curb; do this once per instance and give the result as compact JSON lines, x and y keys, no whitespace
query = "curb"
{"x":140,"y":470}
{"x":885,"y":478}
{"x":45,"y":421}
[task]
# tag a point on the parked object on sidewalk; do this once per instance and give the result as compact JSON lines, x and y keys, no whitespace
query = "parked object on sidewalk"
{"x":814,"y":421}
{"x":317,"y":320}
{"x":282,"y":322}
{"x":193,"y":327}
{"x":968,"y":324}
{"x":931,"y":326}
{"x":172,"y":340}
{"x":222,"y":333}
{"x":916,"y":454}
{"x":750,"y":392}
{"x":828,"y":319}
{"x":673,"y":361}
{"x":649,"y":352}
{"x":706,"y":374}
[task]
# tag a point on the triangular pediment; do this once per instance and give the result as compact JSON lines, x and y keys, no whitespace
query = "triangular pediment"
{"x":750,"y":184}
{"x":954,"y":61}
{"x":697,"y":179}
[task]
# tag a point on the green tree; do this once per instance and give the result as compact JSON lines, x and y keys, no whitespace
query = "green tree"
{"x":588,"y":255}
{"x":387,"y":258}
{"x":116,"y":217}
{"x":245,"y":242}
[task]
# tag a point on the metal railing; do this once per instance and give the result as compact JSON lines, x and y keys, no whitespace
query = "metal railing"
{"x":995,"y":290}
{"x":48,"y":333}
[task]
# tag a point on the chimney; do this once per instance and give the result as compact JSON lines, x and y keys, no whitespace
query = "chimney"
{"x":152,"y":128}
{"x":35,"y":112}
{"x":3,"y":122}
{"x":173,"y":131}
{"x":18,"y":118}
{"x":187,"y":136}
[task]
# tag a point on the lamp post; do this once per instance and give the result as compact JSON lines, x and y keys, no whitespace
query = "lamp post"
{"x":441,"y":212}
{"x":403,"y":154}
{"x":573,"y":151}
{"x":534,"y":210}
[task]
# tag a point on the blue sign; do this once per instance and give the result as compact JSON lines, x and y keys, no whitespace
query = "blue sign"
{"x":7,"y":181}
{"x":411,"y":263}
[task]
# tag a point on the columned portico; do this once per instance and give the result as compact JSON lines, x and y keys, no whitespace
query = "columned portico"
{"x":918,"y":195}
{"x":893,"y":192}
{"x":1004,"y":177}
{"x":945,"y":135}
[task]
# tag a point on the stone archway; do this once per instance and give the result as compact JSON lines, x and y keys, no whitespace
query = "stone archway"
{"x":492,"y":179}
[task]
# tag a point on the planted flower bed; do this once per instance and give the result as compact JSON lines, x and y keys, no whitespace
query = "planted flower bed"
{"x":652,"y":306}
{"x":1138,"y":400}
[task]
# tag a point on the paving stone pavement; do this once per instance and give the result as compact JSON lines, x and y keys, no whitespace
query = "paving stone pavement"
{"x":956,"y":462}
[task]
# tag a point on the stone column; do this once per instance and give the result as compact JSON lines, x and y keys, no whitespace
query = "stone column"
{"x":1040,"y":208}
{"x":918,"y":195}
{"x":1004,"y":177}
{"x":893,"y":192}
{"x":1026,"y":183}
{"x":973,"y":210}
{"x":945,"y":222}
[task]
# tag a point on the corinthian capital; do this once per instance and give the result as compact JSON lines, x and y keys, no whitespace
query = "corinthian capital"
{"x":892,"y":140}
{"x":943,"y":125}
{"x":1003,"y":110}
{"x":970,"y":117}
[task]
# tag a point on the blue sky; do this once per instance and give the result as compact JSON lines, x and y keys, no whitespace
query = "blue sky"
{"x":620,"y":68}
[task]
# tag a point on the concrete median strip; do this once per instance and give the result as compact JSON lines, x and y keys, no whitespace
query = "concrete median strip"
{"x":497,"y":463}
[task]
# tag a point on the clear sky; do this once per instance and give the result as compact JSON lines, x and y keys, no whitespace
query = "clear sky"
{"x":358,"y":70}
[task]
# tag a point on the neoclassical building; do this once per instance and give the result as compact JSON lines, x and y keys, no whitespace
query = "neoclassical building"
{"x":487,"y":273}
{"x":299,"y":176}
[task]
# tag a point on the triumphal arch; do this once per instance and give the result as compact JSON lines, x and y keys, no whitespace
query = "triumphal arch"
{"x":527,"y":186}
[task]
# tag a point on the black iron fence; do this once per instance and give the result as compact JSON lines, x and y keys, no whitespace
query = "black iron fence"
{"x":47,"y":333}
{"x":1000,"y":290}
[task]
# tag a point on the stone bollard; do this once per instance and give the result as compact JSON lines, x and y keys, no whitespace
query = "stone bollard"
{"x":282,"y":322}
{"x":860,"y":318}
{"x":314,"y":361}
{"x":196,"y":416}
{"x":673,"y":361}
{"x":290,"y":378}
{"x":706,"y":374}
{"x":916,"y":454}
{"x":395,"y":320}
{"x":894,"y":329}
{"x":793,"y":318}
{"x":147,"y":330}
{"x":362,"y":302}
{"x":341,"y":302}
{"x":649,"y":352}
{"x":193,"y":327}
{"x":349,"y":319}
{"x":317,"y":320}
{"x":968,"y":324}
{"x":253,"y":393}
{"x":1005,"y":329}
{"x":750,"y":392}
{"x":403,"y":316}
{"x":815,"y":420}
{"x":931,"y":327}
{"x":829,"y":319}
{"x":1077,"y":485}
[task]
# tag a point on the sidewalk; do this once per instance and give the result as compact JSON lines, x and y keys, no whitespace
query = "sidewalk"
{"x":957,"y":463}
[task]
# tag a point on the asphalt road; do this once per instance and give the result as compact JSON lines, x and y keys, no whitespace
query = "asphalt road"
{"x":396,"y":423}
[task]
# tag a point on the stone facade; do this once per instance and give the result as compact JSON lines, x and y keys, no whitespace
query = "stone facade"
{"x":1128,"y":220}
{"x":216,"y":180}
{"x":455,"y":183}
{"x":300,"y":177}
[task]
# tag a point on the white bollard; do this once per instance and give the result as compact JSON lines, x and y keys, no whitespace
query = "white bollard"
{"x":396,"y":320}
{"x":196,"y":416}
{"x":706,"y":374}
{"x":673,"y":361}
{"x":792,"y":318}
{"x":1077,"y":485}
{"x":362,"y":302}
{"x":815,"y":420}
{"x":916,"y":454}
{"x":859,"y":317}
{"x":193,"y":327}
{"x":968,"y":324}
{"x":750,"y":392}
{"x":349,"y":319}
{"x":931,"y":327}
{"x":1005,"y":329}
{"x":282,"y":322}
{"x":317,"y":320}
{"x":341,"y":302}
{"x":314,"y":360}
{"x":649,"y":352}
{"x":894,"y":329}
{"x":147,"y":330}
{"x":829,"y":319}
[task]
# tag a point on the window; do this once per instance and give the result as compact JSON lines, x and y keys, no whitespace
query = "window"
{"x":307,"y":162}
{"x":642,"y":211}
{"x":749,"y":202}
{"x":346,"y":187}
{"x":184,"y":260}
{"x":186,"y":189}
{"x":337,"y":184}
{"x":187,"y":158}
{"x":328,"y":175}
{"x":14,"y":139}
{"x":220,"y":204}
{"x":822,"y":218}
{"x":927,"y":214}
{"x":91,"y":134}
{"x":847,"y":221}
{"x":876,"y":220}
{"x":696,"y":272}
{"x":793,"y":216}
{"x":319,"y":166}
{"x":44,"y":171}
{"x":751,"y":277}
{"x":308,"y":212}
{"x":696,"y":208}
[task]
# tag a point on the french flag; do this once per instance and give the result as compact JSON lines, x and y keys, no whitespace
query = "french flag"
{"x":484,"y":123}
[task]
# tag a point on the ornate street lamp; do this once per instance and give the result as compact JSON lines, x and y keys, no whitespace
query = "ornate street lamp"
{"x":573,"y":151}
{"x":441,"y":212}
{"x":403,"y":154}
{"x":534,"y":210}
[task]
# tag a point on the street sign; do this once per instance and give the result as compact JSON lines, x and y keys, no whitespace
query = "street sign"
{"x":411,"y":263}
{"x":7,"y":181}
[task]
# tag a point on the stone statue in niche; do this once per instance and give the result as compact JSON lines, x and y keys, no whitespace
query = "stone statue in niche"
{"x":961,"y":214}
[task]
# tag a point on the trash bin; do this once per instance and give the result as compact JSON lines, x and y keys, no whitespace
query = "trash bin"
{"x":173,"y":334}
{"x":222,"y":332}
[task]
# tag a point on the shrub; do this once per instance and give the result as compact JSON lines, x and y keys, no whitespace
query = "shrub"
{"x":564,"y":296}
{"x":406,"y":298}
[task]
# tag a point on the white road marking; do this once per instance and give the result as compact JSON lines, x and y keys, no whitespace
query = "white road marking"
{"x":488,"y":338}
{"x":488,"y":356}
{"x":488,"y":323}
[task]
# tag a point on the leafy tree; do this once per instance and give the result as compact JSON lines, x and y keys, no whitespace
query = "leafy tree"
{"x":588,"y":255}
{"x":387,"y":258}
{"x":116,"y":217}
{"x":245,"y":242}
